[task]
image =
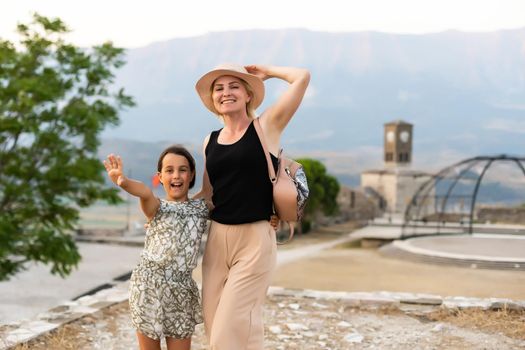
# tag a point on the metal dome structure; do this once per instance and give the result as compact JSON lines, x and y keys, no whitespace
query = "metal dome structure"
{"x":446,"y":204}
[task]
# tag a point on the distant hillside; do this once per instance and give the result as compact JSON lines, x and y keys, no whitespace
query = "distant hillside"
{"x":463,"y":91}
{"x":140,"y":162}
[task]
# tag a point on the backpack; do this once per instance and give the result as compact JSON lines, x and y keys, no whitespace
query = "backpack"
{"x":290,"y":188}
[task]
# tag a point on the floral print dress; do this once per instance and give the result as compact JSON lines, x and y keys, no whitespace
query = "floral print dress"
{"x":164,"y":299}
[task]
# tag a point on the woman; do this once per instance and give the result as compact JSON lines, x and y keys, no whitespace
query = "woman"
{"x":240,"y":251}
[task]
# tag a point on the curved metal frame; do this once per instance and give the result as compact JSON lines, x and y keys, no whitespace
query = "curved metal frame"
{"x":424,"y":190}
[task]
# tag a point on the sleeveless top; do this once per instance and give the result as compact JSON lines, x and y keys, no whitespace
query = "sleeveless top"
{"x":238,"y":172}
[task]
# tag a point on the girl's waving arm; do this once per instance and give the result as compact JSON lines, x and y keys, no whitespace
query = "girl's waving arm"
{"x":148,"y":202}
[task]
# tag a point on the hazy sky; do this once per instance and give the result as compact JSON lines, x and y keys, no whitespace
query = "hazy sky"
{"x":135,"y":23}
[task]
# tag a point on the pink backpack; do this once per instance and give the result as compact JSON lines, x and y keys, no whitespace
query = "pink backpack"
{"x":290,"y":188}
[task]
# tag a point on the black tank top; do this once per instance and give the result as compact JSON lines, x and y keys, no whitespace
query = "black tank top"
{"x":242,"y":191}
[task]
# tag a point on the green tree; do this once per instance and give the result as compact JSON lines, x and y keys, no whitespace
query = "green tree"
{"x":55,"y":99}
{"x":323,"y":191}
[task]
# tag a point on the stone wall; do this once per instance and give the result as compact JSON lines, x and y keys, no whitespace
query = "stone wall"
{"x":355,"y":205}
{"x":514,"y":215}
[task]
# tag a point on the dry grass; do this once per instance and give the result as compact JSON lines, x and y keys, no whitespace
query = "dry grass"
{"x":508,"y":322}
{"x":64,"y":338}
{"x":73,"y":335}
{"x":504,"y":321}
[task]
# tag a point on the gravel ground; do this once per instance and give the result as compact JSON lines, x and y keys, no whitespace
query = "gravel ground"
{"x":299,"y":323}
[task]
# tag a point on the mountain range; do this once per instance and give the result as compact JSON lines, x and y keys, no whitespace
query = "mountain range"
{"x":464,"y":92}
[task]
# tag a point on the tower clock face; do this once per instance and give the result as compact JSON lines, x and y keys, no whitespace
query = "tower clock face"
{"x":404,"y":136}
{"x":390,"y":136}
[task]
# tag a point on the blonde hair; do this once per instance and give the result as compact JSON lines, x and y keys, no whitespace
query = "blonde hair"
{"x":249,"y":106}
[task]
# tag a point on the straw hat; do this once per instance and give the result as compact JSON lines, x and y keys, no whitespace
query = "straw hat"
{"x":204,"y":84}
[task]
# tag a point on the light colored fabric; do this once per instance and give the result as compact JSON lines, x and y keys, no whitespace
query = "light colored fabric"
{"x":174,"y":235}
{"x":164,"y":299}
{"x":237,"y":268}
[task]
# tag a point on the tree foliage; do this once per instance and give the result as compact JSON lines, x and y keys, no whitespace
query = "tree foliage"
{"x":323,"y":190}
{"x":55,"y":99}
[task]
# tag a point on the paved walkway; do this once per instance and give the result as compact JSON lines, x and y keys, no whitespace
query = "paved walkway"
{"x":36,"y":290}
{"x":478,"y":246}
{"x":492,"y":250}
{"x":287,"y":256}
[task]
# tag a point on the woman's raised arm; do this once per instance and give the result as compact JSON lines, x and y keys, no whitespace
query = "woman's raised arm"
{"x":276,"y":117}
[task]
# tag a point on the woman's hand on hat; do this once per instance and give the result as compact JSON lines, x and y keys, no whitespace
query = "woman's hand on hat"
{"x":258,"y":70}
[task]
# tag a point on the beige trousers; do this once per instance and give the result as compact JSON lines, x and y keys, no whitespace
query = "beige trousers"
{"x":236,"y":271}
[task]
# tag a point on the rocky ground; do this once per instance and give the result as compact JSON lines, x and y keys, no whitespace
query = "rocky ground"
{"x":296,"y":319}
{"x":299,"y":322}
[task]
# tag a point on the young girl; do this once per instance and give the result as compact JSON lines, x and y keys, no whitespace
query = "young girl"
{"x":164,"y":298}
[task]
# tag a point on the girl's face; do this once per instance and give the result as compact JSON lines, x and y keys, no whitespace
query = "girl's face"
{"x":176,"y":176}
{"x":229,"y":95}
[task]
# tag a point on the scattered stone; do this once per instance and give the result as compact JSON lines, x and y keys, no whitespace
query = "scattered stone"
{"x":275,"y":329}
{"x":506,"y":305}
{"x":343,"y":324}
{"x":422,"y":301}
{"x":294,"y":306}
{"x":319,"y":306}
{"x":283,"y":336}
{"x":438,"y":328}
{"x":353,"y":338}
{"x":58,"y":309}
{"x":316,"y":324}
{"x":463,"y":302}
{"x":300,"y":312}
{"x":296,"y":327}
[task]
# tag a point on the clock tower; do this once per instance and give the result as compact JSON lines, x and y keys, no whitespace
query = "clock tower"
{"x":397,"y":182}
{"x":398,"y":143}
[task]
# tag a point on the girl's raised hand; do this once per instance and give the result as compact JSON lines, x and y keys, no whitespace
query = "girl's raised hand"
{"x":113,"y":165}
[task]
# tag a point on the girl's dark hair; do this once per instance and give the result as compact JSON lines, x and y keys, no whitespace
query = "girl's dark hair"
{"x":181,"y":151}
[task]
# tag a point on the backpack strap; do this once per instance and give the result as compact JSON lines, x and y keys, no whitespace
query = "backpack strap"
{"x":271,"y":171}
{"x":260,"y":134}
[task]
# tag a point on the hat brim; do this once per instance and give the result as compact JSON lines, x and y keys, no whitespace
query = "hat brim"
{"x":203,"y":86}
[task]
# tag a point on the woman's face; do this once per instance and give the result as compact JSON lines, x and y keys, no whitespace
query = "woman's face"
{"x":229,"y":95}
